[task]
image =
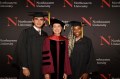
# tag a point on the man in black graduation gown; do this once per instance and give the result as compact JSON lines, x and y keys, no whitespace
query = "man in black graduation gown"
{"x":29,"y":48}
{"x":81,"y":52}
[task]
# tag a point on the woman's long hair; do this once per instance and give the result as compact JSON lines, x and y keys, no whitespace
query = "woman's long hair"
{"x":71,"y":39}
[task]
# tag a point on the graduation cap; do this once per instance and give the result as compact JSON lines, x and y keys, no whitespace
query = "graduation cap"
{"x":38,"y":14}
{"x":53,"y":21}
{"x":77,"y":23}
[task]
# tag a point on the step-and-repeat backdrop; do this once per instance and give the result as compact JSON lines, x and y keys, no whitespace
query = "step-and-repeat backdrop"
{"x":102,"y":18}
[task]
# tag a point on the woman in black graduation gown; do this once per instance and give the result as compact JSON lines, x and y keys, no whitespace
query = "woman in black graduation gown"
{"x":29,"y":48}
{"x":56,"y":63}
{"x":81,"y":52}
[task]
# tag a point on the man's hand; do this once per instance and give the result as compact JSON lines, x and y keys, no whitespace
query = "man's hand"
{"x":65,"y":76}
{"x":26,"y":72}
{"x":84,"y":76}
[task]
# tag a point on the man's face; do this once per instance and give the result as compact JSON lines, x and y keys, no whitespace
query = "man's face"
{"x":57,"y":28}
{"x":77,"y":31}
{"x":38,"y":21}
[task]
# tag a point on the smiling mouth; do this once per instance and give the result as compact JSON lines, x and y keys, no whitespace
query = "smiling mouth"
{"x":38,"y":24}
{"x":77,"y":33}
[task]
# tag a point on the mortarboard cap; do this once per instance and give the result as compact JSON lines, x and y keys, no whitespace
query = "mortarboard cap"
{"x":76,"y":23}
{"x":53,"y":21}
{"x":38,"y":14}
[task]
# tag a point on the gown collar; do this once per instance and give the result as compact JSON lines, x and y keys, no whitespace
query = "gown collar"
{"x":57,"y":38}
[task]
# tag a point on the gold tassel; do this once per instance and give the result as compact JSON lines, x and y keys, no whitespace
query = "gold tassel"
{"x":82,"y":31}
{"x":49,"y":18}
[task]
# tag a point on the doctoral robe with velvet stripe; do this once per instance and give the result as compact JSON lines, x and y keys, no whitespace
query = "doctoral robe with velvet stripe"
{"x":55,"y":57}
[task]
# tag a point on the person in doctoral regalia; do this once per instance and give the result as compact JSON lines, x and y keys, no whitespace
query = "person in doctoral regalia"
{"x":81,"y":52}
{"x":29,"y":48}
{"x":56,"y":63}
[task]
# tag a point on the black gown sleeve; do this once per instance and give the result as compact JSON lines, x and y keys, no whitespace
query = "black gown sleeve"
{"x":21,"y":49}
{"x":92,"y":65}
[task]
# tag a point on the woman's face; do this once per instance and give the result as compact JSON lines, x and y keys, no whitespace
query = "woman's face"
{"x":77,"y":31}
{"x":57,"y":28}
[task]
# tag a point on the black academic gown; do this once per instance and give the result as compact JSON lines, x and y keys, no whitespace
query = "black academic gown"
{"x":29,"y":52}
{"x":82,"y":58}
